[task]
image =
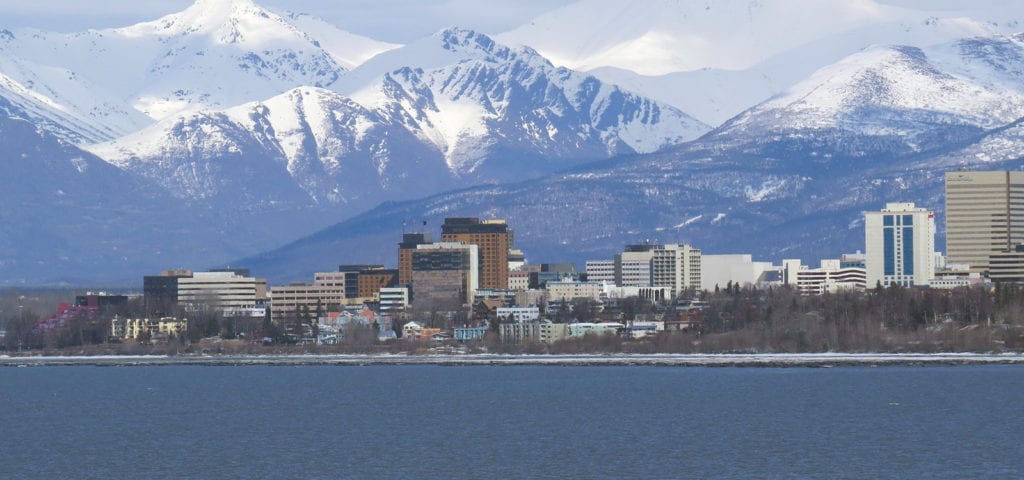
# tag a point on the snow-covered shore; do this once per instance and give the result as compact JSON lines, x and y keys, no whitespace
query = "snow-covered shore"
{"x":680,"y":360}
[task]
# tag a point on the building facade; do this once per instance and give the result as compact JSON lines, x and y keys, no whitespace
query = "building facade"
{"x":223,"y":289}
{"x":409,"y":243}
{"x":287,"y":301}
{"x":900,"y":245}
{"x":493,"y":241}
{"x":601,"y":271}
{"x":984,"y":215}
{"x":677,"y":267}
{"x":444,"y":274}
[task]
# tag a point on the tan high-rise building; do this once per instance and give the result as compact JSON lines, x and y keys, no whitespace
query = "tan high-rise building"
{"x":492,"y":238}
{"x":984,"y":215}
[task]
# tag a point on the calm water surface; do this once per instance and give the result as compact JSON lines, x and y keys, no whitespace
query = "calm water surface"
{"x":319,"y":422}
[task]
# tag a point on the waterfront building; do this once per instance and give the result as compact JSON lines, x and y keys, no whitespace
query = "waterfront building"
{"x":900,"y":245}
{"x":160,"y":329}
{"x":581,"y":329}
{"x":984,"y":215}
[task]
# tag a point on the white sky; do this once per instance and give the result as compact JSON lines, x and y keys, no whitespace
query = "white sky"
{"x":398,"y":21}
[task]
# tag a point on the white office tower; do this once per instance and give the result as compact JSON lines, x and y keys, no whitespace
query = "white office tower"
{"x":900,"y":244}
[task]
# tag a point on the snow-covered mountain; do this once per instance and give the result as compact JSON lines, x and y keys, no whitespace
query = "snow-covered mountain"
{"x":481,"y":103}
{"x":214,"y":54}
{"x":894,"y":100}
{"x":739,"y":52}
{"x":308,"y":146}
{"x":451,"y":111}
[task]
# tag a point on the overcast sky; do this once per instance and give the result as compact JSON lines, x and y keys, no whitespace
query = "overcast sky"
{"x":390,"y":20}
{"x":399,"y":21}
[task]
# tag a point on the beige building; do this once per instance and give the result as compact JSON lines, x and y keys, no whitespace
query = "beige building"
{"x":287,"y":300}
{"x":984,"y":215}
{"x":568,"y":290}
{"x":676,"y":267}
{"x":221,"y":290}
{"x":130,"y":329}
{"x":538,"y":331}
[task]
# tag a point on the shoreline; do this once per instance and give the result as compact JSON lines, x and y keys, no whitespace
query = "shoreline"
{"x":821,"y":360}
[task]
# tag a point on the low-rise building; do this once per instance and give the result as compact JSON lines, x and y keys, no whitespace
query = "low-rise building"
{"x":518,"y":314}
{"x":577,"y":330}
{"x":465,"y":334}
{"x":155,"y":329}
{"x":568,"y":290}
{"x":537,"y":331}
{"x":288,"y":300}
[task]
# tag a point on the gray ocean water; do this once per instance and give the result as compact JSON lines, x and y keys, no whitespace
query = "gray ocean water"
{"x":321,"y":422}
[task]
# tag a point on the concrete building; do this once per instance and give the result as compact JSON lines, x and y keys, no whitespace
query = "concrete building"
{"x":1007,"y":266}
{"x":444,"y":274}
{"x":720,"y":270}
{"x":601,"y":271}
{"x":633,"y":266}
{"x":394,"y":298}
{"x":518,"y":280}
{"x":161,"y":329}
{"x":900,"y":245}
{"x":409,"y":243}
{"x":568,"y":290}
{"x":984,"y":215}
{"x":830,"y":277}
{"x":518,"y":314}
{"x":221,"y":290}
{"x":493,"y":240}
{"x":286,"y":301}
{"x":329,"y":279}
{"x":677,"y":267}
{"x":538,"y":331}
{"x":465,"y":334}
{"x":581,"y":329}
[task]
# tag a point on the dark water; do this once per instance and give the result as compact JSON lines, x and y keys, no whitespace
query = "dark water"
{"x":511,"y":422}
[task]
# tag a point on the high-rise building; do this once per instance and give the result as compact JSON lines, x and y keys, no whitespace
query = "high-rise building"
{"x":492,"y":238}
{"x":444,"y":274}
{"x":633,"y":266}
{"x":409,"y":243}
{"x":984,"y":215}
{"x":677,"y":267}
{"x":900,"y":245}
